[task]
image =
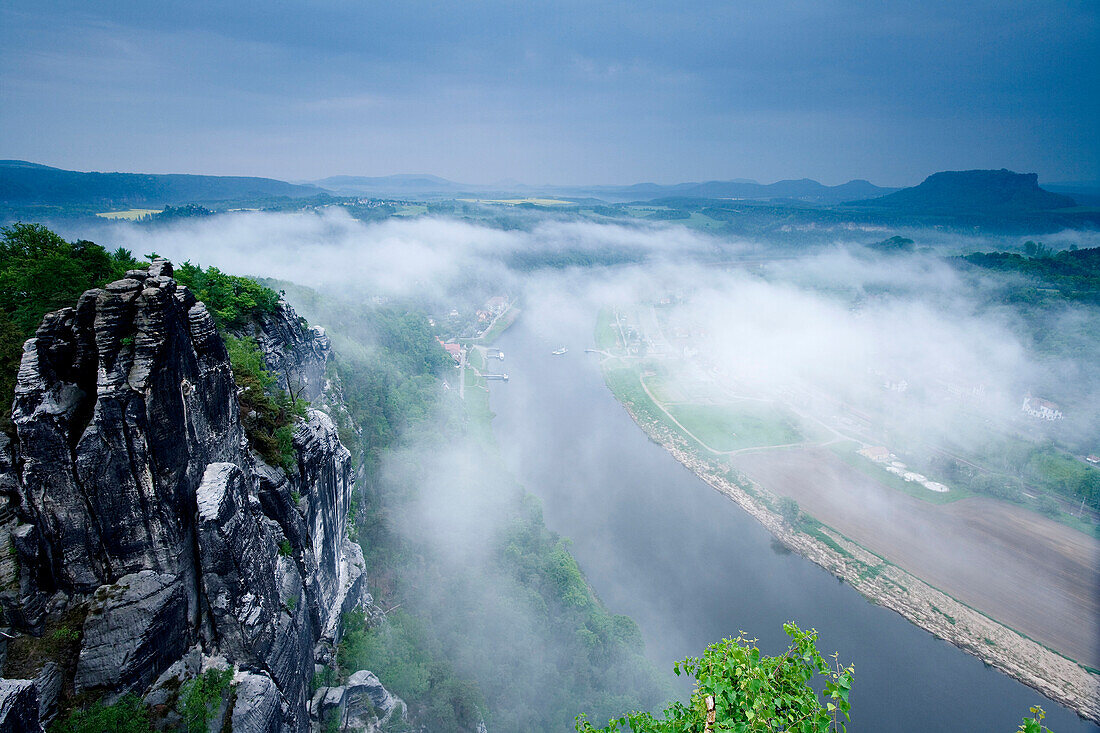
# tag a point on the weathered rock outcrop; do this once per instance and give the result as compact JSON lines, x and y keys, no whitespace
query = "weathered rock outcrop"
{"x":360,"y":704}
{"x":18,"y":705}
{"x":130,"y":634}
{"x":130,"y":494}
{"x":120,"y":405}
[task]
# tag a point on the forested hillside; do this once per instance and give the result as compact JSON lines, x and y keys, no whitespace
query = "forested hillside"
{"x":23,"y":183}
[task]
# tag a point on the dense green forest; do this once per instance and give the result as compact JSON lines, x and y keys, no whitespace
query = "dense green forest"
{"x":40,"y":272}
{"x":1072,"y":274}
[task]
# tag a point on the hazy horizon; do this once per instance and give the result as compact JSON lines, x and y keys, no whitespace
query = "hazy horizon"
{"x":505,"y":182}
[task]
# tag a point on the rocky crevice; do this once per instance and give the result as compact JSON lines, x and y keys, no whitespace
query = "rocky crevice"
{"x":130,"y":491}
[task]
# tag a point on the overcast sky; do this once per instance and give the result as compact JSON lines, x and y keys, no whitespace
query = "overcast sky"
{"x":555,"y":92}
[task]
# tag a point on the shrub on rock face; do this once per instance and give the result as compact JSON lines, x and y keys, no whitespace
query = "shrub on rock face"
{"x":128,"y":715}
{"x":267,"y":412}
{"x":201,"y":697}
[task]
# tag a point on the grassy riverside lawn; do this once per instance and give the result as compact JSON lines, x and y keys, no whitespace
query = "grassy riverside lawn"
{"x":607,"y":337}
{"x":735,"y":426}
{"x":476,"y":402}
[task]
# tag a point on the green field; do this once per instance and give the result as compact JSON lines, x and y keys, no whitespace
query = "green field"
{"x":664,"y":390}
{"x":702,"y":221}
{"x":475,"y":359}
{"x":744,"y":425}
{"x":130,"y":214}
{"x":624,"y":383}
{"x":607,"y":335}
{"x":478,"y":415}
{"x":627,"y":388}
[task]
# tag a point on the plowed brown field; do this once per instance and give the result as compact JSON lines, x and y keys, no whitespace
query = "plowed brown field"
{"x":1024,"y":570}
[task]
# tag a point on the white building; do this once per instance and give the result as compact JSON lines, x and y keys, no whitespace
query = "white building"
{"x":1041,"y":409}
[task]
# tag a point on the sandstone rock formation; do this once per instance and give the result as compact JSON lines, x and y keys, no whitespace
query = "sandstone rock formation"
{"x":132,"y":500}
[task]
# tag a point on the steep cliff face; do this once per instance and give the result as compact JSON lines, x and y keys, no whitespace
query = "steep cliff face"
{"x":133,"y":502}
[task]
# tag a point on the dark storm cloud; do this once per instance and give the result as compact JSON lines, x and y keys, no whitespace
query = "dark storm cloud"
{"x":563,"y":92}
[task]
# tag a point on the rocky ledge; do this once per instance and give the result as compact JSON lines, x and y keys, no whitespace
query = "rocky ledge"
{"x":149,"y":543}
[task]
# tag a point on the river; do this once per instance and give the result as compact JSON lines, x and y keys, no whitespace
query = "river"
{"x":660,"y":545}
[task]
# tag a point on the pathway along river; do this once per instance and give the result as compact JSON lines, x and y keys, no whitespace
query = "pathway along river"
{"x":661,"y":546}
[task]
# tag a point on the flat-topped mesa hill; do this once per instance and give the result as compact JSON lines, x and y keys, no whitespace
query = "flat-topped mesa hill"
{"x":972,"y":192}
{"x":150,"y":543}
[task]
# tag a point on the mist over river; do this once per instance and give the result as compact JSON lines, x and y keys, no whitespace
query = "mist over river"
{"x":690,"y":567}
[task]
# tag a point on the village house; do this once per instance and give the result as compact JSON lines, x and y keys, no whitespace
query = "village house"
{"x":455,"y":350}
{"x":877,"y":453}
{"x":1041,"y":409}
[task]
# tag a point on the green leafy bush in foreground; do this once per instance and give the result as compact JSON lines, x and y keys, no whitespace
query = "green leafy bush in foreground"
{"x":752,"y":692}
{"x":1035,"y":725}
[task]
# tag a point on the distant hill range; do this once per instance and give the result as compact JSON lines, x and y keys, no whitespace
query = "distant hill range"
{"x":968,"y":194}
{"x":741,"y":188}
{"x":972,"y":192}
{"x":23,"y":183}
{"x":1085,"y":193}
{"x":399,"y":185}
{"x":803,"y":189}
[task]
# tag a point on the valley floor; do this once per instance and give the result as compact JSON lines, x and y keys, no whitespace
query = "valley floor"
{"x":951,"y":568}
